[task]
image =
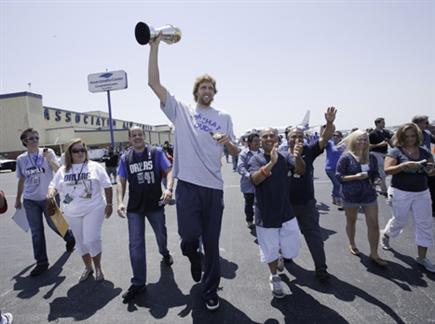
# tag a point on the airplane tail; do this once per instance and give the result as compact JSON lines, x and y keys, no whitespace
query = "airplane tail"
{"x":305,"y":124}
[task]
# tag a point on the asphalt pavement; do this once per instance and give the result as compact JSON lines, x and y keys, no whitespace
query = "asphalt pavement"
{"x":358,"y":292}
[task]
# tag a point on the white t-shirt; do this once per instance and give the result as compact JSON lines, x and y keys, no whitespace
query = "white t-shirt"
{"x":81,"y":188}
{"x":197,"y":155}
{"x":37,"y":172}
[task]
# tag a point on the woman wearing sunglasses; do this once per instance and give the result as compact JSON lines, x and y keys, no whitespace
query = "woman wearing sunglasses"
{"x":35,"y":169}
{"x":80,"y":183}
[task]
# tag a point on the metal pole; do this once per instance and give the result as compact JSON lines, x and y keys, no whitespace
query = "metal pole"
{"x":112,"y":141}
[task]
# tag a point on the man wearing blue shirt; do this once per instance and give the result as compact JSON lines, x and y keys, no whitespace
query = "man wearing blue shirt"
{"x":246,"y":186}
{"x":143,"y":166}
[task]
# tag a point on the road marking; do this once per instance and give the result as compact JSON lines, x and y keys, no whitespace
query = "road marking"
{"x":6,"y":292}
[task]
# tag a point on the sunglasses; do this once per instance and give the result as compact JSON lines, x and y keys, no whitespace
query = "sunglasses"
{"x":78,"y":151}
{"x":33,"y":138}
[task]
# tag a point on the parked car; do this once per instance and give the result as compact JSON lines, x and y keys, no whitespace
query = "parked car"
{"x":7,"y":164}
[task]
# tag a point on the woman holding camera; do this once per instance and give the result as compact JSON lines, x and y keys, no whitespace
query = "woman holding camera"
{"x":409,"y":164}
{"x":357,"y":170}
{"x":80,"y":183}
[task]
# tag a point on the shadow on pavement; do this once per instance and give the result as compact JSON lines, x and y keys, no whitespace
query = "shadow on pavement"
{"x":228,"y":268}
{"x":165,"y":294}
{"x":160,"y":296}
{"x":300,"y":307}
{"x":340,"y":289}
{"x":326,"y":233}
{"x":83,"y":300}
{"x":416,"y":268}
{"x":30,"y":286}
{"x":396,"y":273}
{"x":226,"y":313}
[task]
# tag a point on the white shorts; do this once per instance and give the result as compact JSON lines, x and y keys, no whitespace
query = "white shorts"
{"x":286,"y":239}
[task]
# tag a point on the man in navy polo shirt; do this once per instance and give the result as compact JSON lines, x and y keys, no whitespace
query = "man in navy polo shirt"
{"x":143,"y":166}
{"x":201,"y":133}
{"x":302,"y":192}
{"x":277,"y":229}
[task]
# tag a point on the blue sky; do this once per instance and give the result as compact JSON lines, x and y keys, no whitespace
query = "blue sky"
{"x":272,"y":60}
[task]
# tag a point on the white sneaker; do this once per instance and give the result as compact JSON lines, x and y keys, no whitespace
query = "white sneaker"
{"x":276,"y":286}
{"x":280,"y":265}
{"x":425,"y":262}
{"x":6,"y":318}
{"x":385,"y":241}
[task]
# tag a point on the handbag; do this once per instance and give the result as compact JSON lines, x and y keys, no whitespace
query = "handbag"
{"x":56,"y":216}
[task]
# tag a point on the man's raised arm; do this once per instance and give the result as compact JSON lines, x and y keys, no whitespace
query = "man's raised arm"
{"x":153,"y":71}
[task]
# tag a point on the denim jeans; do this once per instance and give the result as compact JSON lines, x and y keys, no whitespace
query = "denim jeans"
{"x":136,"y":232}
{"x":336,"y":185}
{"x":34,"y":210}
{"x":249,"y":206}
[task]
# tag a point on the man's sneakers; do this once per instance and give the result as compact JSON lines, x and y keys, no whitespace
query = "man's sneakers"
{"x":39,"y":269}
{"x":132,"y":292}
{"x":322,"y":275}
{"x":195,"y":267}
{"x":212,"y":304}
{"x":425,"y":262}
{"x":385,"y":241}
{"x":69,"y":246}
{"x":276,"y":286}
{"x":168,"y":260}
{"x":6,"y":318}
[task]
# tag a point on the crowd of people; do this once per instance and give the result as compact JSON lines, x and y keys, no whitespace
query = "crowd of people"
{"x":277,"y":182}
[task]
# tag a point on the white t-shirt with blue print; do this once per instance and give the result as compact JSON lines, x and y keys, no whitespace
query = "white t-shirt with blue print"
{"x":37,"y":172}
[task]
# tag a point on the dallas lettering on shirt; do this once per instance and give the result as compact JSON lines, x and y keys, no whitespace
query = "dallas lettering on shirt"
{"x":32,"y":171}
{"x":206,"y":124}
{"x":73,"y":178}
{"x":144,"y":171}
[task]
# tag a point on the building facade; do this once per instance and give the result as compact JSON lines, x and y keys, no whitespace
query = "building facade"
{"x":57,"y":126}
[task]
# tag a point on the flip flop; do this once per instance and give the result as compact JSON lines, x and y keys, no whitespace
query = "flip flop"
{"x":354,"y":250}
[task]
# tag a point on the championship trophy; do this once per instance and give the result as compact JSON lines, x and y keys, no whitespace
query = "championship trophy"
{"x":144,"y":33}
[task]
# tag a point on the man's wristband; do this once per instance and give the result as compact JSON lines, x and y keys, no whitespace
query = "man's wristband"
{"x":109,"y":204}
{"x":170,"y":190}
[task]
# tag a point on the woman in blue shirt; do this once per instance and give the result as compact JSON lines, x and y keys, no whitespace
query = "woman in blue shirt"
{"x":410,"y":164}
{"x":357,"y":170}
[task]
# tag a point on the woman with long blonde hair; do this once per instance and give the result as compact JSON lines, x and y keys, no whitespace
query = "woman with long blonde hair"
{"x":80,"y":183}
{"x":357,"y":170}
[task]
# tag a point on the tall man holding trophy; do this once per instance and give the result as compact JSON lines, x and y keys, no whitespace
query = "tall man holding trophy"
{"x":201,"y":133}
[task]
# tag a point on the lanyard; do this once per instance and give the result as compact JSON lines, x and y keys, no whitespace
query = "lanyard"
{"x":80,"y":173}
{"x":36,"y":159}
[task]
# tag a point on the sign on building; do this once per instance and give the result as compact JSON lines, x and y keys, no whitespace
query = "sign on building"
{"x":107,"y":81}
